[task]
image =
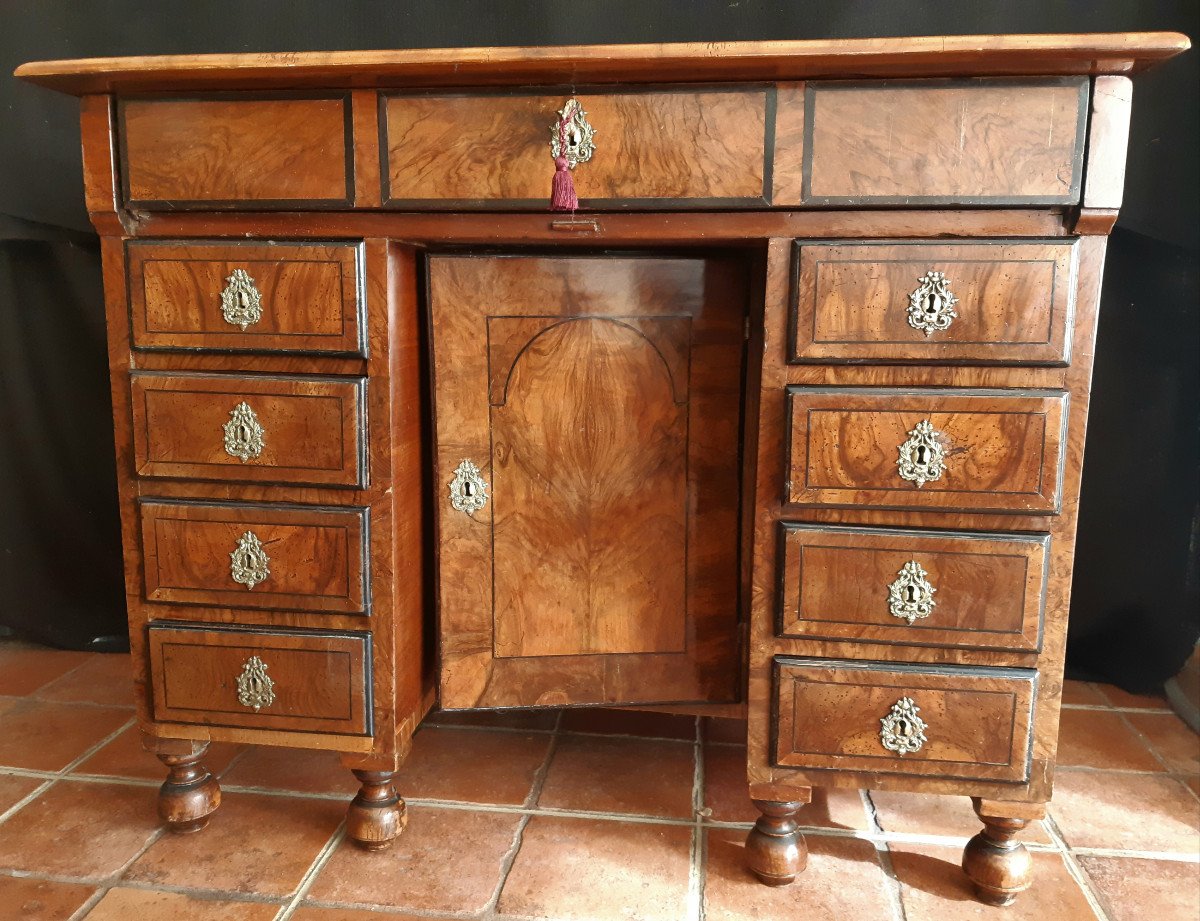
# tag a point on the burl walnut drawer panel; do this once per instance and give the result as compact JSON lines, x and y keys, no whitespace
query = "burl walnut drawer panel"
{"x":893,"y":719}
{"x":255,"y":556}
{"x":994,"y":302}
{"x":307,"y":430}
{"x":262,"y":679}
{"x":278,"y":297}
{"x":694,"y":146}
{"x":926,"y":142}
{"x":966,"y":450}
{"x":920,"y":588}
{"x":243,"y":152}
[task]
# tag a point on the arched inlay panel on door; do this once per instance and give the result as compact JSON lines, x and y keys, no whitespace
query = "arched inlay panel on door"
{"x":589,"y":476}
{"x":599,"y":398}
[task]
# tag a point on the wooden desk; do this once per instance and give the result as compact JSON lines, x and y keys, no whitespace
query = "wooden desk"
{"x":787,"y":418}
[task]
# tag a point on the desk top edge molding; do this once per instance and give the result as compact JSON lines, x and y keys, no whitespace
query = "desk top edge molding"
{"x":963,"y":55}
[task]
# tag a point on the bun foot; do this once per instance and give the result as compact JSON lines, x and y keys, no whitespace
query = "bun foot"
{"x":190,"y":793}
{"x":999,"y":867}
{"x":775,"y":849}
{"x":377,"y":815}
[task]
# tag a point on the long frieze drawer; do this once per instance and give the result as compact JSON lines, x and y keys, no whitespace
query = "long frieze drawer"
{"x":965,"y":450}
{"x":919,"y":588}
{"x":928,"y":142}
{"x":228,"y":153}
{"x":892,"y":719}
{"x":995,"y":302}
{"x":262,"y":679}
{"x":278,"y":297}
{"x":698,"y":146}
{"x":249,"y":429}
{"x":255,"y":556}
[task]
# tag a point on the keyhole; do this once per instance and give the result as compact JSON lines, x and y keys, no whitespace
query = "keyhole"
{"x":922,"y":451}
{"x":911,"y":593}
{"x":469,"y":489}
{"x":903,"y":729}
{"x":933,"y":304}
{"x":572,"y":138}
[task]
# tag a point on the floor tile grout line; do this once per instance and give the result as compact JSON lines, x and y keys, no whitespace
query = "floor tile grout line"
{"x":310,"y":875}
{"x":509,"y":857}
{"x":53,"y":778}
{"x":1108,"y":708}
{"x":1146,"y":743}
{"x":884,"y":856}
{"x":225,"y":895}
{"x":1164,"y":856}
{"x":89,"y":903}
{"x":696,"y":851}
{"x":1075,"y":870}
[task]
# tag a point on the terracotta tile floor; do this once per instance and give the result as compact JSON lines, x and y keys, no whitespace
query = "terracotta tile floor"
{"x":587,"y":816}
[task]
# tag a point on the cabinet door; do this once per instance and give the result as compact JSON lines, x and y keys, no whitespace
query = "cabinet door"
{"x":593,"y":557}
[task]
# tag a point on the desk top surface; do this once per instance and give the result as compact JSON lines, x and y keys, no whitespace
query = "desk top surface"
{"x":936,"y":56}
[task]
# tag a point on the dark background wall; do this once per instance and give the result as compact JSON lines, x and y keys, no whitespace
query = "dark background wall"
{"x":1134,"y":614}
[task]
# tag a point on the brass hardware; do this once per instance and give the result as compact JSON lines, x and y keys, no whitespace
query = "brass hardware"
{"x":579,"y":134}
{"x":248,"y":563}
{"x":922,"y":458}
{"x":243,"y":434}
{"x":902,"y":731}
{"x":255,"y":687}
{"x":931,"y":306}
{"x":468,"y":489}
{"x":910,"y":597}
{"x":241,"y":304}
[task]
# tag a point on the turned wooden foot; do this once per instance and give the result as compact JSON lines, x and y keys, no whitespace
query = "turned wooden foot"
{"x":998,"y":866}
{"x":775,"y":849}
{"x":377,"y":814}
{"x":190,"y":793}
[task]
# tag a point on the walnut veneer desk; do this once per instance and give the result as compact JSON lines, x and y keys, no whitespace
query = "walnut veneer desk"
{"x":788,"y":417}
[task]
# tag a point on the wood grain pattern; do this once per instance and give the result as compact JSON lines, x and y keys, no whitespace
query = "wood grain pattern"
{"x":214,"y":152}
{"x":321,"y":681}
{"x":978,"y":720}
{"x":312,"y":428}
{"x":1115,"y":53}
{"x":1108,"y":142}
{"x":988,"y":587}
{"x":317,"y":555}
{"x":489,"y":150}
{"x":1014,"y":302}
{"x":1002,"y":452}
{"x":310,"y":296}
{"x":605,"y":416}
{"x":923,"y":143}
{"x":588,"y":430}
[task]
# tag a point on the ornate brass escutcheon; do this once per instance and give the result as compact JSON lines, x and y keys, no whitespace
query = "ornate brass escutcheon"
{"x":248,"y":563}
{"x":922,"y":457}
{"x":468,"y":489}
{"x":577,"y":144}
{"x":931,"y":306}
{"x":910,"y":597}
{"x":243,"y":433}
{"x":241,"y":304}
{"x":255,"y":687}
{"x":902,"y":731}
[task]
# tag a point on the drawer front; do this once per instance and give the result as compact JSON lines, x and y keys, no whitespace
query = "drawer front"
{"x":281,"y":297}
{"x":931,"y":722}
{"x":251,"y":153}
{"x":249,"y":429}
{"x":926,"y":142}
{"x":974,"y":591}
{"x":261,"y":679}
{"x":255,"y":556}
{"x":967,"y":450}
{"x":981,"y":302}
{"x":699,"y":146}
